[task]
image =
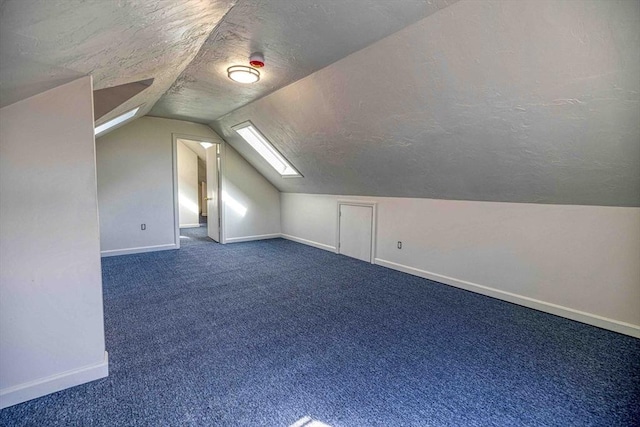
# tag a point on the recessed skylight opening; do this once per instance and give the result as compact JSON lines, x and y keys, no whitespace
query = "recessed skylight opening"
{"x":113,"y":122}
{"x":268,"y":152}
{"x":206,"y":145}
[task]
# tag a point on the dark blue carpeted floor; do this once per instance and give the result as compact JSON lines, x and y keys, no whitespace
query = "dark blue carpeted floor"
{"x":266,"y":333}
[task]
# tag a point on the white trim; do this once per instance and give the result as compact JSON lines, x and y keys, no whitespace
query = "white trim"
{"x":189,"y":225}
{"x":176,"y":212}
{"x":309,"y":243}
{"x":176,"y":200}
{"x":222,"y":184}
{"x":558,"y":310}
{"x":21,"y":393}
{"x":252,"y":238}
{"x":142,"y":249}
{"x":374,"y":223}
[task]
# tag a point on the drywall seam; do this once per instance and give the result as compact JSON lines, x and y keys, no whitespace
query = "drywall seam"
{"x":310,"y":243}
{"x":139,"y":250}
{"x":41,"y":387}
{"x":558,"y":310}
{"x":252,"y":238}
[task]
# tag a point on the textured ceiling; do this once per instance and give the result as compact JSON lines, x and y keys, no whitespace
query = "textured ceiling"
{"x":297,"y":38}
{"x":519,"y":101}
{"x":44,"y":43}
{"x":186,"y":46}
{"x":516,"y":101}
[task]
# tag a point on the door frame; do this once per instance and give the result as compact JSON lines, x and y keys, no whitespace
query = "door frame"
{"x":221,"y":182}
{"x":374,"y":223}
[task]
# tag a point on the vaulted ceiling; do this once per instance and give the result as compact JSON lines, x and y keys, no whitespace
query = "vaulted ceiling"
{"x":186,"y":46}
{"x":297,"y":38}
{"x":518,"y":101}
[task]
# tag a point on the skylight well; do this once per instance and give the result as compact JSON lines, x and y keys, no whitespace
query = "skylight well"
{"x":116,"y":121}
{"x":268,"y":152}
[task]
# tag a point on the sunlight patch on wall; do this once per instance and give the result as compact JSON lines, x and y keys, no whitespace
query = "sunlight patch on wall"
{"x":188,"y":204}
{"x":236,"y":206}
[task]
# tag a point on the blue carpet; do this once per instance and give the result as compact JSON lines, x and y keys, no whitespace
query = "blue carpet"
{"x":267,"y":333}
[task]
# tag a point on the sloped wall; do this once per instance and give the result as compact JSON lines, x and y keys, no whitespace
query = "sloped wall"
{"x":251,"y":203}
{"x":532,"y":101}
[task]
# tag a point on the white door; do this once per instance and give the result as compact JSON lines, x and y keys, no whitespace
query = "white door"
{"x":213,"y":222}
{"x":356,"y":231}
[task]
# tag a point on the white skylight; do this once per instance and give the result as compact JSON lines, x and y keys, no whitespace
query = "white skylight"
{"x":113,"y":122}
{"x":206,"y":145}
{"x":268,"y":152}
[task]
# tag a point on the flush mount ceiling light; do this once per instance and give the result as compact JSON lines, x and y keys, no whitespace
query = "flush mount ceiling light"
{"x":243,"y":74}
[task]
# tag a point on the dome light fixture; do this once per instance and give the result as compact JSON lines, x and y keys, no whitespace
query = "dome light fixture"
{"x":243,"y":74}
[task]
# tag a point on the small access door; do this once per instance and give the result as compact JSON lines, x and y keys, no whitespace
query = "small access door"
{"x":213,"y":196}
{"x":355,"y":231}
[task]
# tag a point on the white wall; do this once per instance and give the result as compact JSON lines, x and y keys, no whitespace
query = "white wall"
{"x":188,"y":187}
{"x":135,"y":186}
{"x":51,"y":320}
{"x":251,"y":203}
{"x":576,"y":261}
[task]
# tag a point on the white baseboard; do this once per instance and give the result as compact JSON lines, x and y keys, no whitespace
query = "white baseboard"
{"x":558,"y":310}
{"x":189,"y":225}
{"x":252,"y":238}
{"x":309,"y":242}
{"x":139,"y":250}
{"x":27,"y":391}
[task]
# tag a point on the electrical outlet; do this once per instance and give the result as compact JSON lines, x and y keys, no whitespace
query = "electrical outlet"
{"x":399,"y":244}
{"x":143,"y":227}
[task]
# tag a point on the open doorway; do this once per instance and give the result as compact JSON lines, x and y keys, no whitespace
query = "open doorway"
{"x":197,"y":188}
